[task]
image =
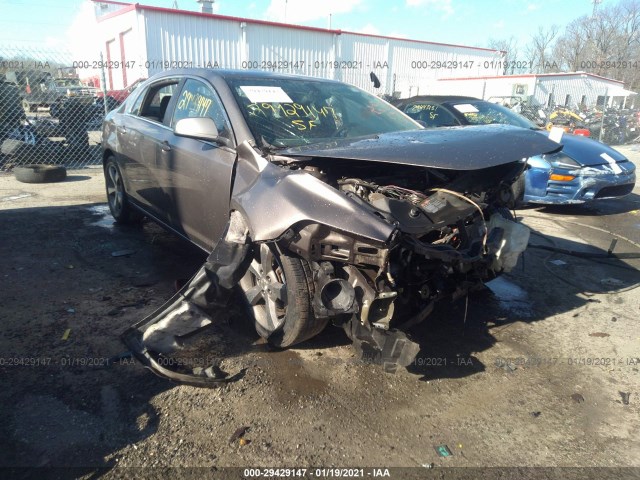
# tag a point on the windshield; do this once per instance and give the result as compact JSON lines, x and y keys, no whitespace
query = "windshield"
{"x":482,"y":113}
{"x":292,"y":112}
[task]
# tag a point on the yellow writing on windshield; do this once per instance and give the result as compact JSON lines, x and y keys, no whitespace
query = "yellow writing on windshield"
{"x":290,"y":110}
{"x":197,"y":104}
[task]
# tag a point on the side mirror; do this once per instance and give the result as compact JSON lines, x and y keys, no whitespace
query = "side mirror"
{"x":201,"y":128}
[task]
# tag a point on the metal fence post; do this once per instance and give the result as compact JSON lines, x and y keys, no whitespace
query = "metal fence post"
{"x":105,"y":102}
{"x":604,"y":109}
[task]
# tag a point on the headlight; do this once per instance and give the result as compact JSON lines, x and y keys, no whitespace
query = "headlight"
{"x":561,"y":160}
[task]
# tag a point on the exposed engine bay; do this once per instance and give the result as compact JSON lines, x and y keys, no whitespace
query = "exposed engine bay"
{"x":453,"y":230}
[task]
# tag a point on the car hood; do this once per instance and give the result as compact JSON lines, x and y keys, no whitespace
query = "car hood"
{"x":455,"y":148}
{"x":587,"y":152}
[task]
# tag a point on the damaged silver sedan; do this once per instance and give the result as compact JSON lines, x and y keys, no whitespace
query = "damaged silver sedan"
{"x":320,"y":202}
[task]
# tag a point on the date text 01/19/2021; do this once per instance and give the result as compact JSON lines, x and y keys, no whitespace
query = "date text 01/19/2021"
{"x":330,"y":472}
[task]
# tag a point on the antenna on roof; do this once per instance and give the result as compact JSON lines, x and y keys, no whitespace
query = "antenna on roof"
{"x":595,"y":6}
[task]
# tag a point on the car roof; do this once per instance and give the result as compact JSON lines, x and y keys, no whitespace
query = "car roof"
{"x":213,"y":73}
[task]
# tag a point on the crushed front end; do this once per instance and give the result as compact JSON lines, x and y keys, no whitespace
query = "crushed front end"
{"x":452,"y":230}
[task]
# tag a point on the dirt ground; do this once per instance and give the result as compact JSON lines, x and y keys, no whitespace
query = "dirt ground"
{"x":542,"y":372}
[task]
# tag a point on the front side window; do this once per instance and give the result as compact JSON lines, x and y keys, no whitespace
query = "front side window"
{"x":198,"y":100}
{"x":283,"y":112}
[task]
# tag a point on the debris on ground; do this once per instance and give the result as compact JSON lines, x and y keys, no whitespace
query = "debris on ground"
{"x":576,"y":397}
{"x":443,"y":450}
{"x":536,"y":414}
{"x":122,"y":253}
{"x":625,"y":397}
{"x":599,"y":334}
{"x":238,"y":434}
{"x":65,"y":335}
{"x":558,"y":262}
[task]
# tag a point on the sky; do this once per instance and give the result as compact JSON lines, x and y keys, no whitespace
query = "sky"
{"x":53,"y":23}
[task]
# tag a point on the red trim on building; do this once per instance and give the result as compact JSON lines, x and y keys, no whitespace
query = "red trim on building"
{"x":123,"y":58}
{"x":534,"y":75}
{"x":172,"y":11}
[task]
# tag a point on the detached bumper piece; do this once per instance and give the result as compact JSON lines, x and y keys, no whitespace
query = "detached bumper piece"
{"x":160,"y":334}
{"x":389,"y":348}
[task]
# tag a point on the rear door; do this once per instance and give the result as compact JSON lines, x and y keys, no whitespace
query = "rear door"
{"x":200,"y":171}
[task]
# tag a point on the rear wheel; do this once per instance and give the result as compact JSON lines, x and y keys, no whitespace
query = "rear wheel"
{"x":119,"y":205}
{"x":278,"y":289}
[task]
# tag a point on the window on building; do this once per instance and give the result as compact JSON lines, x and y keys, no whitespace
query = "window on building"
{"x":567,"y":101}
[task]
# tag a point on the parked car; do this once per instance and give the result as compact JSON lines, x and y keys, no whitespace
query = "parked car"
{"x":583,"y":171}
{"x":116,"y":96}
{"x":318,"y":200}
{"x":47,"y":92}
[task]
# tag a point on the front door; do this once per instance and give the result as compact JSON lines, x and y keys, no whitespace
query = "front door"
{"x":200,"y":171}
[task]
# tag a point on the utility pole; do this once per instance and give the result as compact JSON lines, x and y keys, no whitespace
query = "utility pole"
{"x":595,"y":6}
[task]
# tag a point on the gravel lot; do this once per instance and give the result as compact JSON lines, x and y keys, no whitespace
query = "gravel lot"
{"x":542,"y":372}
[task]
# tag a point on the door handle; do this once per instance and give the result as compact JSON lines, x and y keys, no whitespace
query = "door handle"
{"x":165,"y":146}
{"x":122,"y":130}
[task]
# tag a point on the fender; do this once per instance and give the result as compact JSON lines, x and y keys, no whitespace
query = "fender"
{"x":273,"y":199}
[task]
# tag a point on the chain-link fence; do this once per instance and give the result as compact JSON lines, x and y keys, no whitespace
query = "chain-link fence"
{"x":51,"y":113}
{"x":47,"y":114}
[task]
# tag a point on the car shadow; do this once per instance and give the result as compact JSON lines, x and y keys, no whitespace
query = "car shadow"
{"x":71,"y":397}
{"x":542,"y":285}
{"x":77,"y":178}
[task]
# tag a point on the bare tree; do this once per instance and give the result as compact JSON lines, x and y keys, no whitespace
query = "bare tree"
{"x":540,"y":48}
{"x":510,"y":46}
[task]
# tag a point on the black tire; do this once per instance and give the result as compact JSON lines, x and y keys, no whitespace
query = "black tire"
{"x":119,"y":205}
{"x":37,"y":173}
{"x":517,"y":192}
{"x":297,"y":322}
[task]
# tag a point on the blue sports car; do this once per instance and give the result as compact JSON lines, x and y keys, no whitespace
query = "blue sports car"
{"x":584,"y":170}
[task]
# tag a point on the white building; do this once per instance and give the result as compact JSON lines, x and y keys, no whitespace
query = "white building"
{"x":138,"y":41}
{"x":573,"y":89}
